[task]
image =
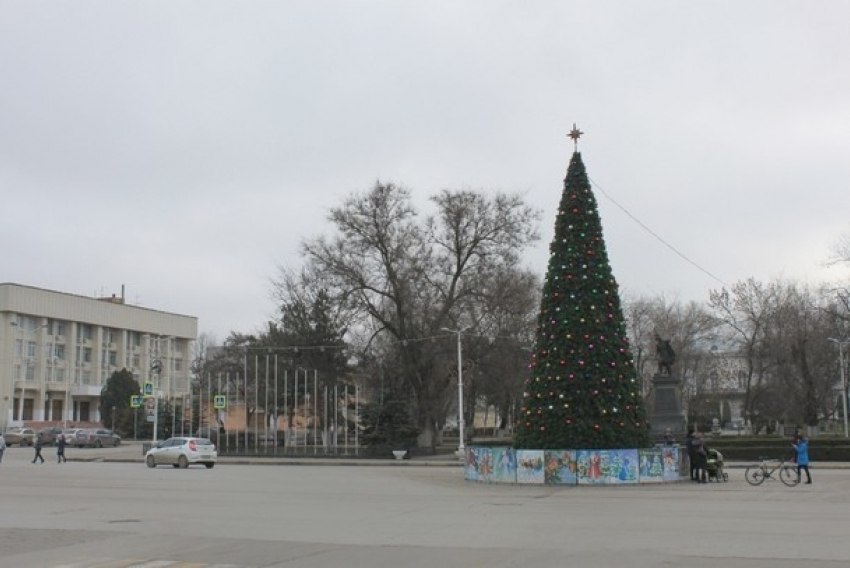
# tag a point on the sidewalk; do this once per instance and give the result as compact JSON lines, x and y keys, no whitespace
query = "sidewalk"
{"x":131,"y":451}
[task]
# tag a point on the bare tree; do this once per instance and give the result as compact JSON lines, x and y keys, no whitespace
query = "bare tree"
{"x":201,"y":347}
{"x":747,"y":312}
{"x":841,"y":249}
{"x":502,"y":347}
{"x":408,"y":279}
{"x":798,"y":342}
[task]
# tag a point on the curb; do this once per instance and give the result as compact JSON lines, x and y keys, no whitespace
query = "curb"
{"x":295,"y":462}
{"x":385,"y":463}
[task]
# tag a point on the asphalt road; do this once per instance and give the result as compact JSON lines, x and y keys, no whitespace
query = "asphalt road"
{"x":87,"y":514}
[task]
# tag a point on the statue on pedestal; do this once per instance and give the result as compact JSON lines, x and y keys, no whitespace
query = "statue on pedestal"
{"x":666,"y":417}
{"x":666,"y":356}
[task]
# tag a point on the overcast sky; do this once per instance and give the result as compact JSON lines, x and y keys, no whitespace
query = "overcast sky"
{"x":183,"y":149}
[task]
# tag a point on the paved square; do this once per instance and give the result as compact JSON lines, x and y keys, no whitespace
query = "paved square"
{"x":86,"y":514}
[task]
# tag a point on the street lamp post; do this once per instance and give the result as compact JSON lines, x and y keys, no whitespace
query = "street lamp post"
{"x":461,"y":449}
{"x":841,"y":343}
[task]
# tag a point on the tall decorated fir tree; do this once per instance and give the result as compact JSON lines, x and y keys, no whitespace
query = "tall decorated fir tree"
{"x":583,"y":392}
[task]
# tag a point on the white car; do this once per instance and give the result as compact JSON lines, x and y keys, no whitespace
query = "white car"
{"x":182,"y":452}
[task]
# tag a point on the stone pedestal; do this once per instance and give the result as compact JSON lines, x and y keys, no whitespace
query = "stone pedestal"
{"x":667,"y":408}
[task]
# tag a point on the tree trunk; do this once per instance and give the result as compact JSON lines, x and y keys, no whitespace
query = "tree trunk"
{"x":427,"y":436}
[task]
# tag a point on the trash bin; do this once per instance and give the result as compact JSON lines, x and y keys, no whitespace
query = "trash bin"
{"x":146,"y":446}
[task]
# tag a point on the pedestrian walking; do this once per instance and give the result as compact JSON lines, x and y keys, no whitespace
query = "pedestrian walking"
{"x":2,"y":447}
{"x":60,"y":448}
{"x":39,"y":442}
{"x":801,"y":450}
{"x":692,"y":457}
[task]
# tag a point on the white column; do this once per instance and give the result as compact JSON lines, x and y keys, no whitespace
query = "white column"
{"x":40,"y":370}
{"x":7,"y":396}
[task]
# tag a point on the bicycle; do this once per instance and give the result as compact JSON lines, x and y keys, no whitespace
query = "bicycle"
{"x":756,"y":474}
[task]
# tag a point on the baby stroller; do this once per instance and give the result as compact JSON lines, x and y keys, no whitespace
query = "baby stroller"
{"x":714,"y":466}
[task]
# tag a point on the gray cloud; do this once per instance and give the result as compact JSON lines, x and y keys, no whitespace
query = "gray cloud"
{"x":185,"y":149}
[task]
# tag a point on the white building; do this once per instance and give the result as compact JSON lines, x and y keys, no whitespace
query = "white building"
{"x":57,"y":351}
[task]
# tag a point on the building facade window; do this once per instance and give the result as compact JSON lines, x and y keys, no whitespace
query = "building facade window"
{"x":84,"y":332}
{"x":56,"y":327}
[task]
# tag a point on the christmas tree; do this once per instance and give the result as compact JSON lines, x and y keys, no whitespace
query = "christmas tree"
{"x":583,"y":392}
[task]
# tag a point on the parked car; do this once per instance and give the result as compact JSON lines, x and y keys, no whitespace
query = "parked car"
{"x":79,"y":439}
{"x":48,"y":435}
{"x":70,"y":434}
{"x":21,"y":436}
{"x":96,"y":438}
{"x":181,"y":452}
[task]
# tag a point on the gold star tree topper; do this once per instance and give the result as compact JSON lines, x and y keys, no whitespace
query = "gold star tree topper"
{"x":575,"y":133}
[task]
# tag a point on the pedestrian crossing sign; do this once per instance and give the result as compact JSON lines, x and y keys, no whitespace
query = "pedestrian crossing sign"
{"x":148,"y":389}
{"x":136,"y":401}
{"x":220,"y":402}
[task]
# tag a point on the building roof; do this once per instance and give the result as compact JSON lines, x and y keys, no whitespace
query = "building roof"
{"x":110,"y":311}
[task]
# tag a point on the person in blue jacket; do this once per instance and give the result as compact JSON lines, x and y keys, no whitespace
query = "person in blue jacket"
{"x":801,"y":447}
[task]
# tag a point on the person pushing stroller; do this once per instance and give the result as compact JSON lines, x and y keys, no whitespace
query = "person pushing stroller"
{"x":714,"y":465}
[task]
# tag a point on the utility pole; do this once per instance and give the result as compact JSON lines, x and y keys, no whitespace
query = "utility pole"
{"x":461,"y":449}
